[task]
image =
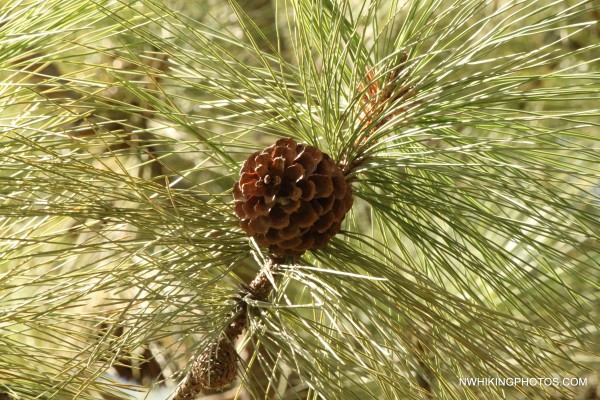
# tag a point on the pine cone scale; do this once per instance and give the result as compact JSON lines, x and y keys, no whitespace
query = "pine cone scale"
{"x":308,"y":189}
{"x":323,"y":185}
{"x":294,"y":172}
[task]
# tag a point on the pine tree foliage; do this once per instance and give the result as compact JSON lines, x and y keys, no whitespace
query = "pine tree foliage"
{"x":468,"y":128}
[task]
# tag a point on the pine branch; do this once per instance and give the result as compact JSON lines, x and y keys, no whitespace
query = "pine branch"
{"x":216,"y":367}
{"x":466,"y":128}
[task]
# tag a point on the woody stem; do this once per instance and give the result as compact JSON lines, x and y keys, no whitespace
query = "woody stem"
{"x":259,"y":289}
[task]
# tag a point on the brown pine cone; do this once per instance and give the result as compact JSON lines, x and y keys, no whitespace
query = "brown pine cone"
{"x":215,"y":369}
{"x":291,"y":198}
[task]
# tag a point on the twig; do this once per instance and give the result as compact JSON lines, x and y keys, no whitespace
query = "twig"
{"x":216,"y":367}
{"x":375,"y":106}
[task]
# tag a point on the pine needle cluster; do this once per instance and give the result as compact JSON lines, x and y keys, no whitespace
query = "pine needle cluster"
{"x":468,"y":130}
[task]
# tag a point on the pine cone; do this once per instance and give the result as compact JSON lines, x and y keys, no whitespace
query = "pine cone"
{"x":291,"y":198}
{"x":215,"y":369}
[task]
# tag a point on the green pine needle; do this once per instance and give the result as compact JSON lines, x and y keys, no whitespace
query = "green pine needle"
{"x":469,"y":129}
